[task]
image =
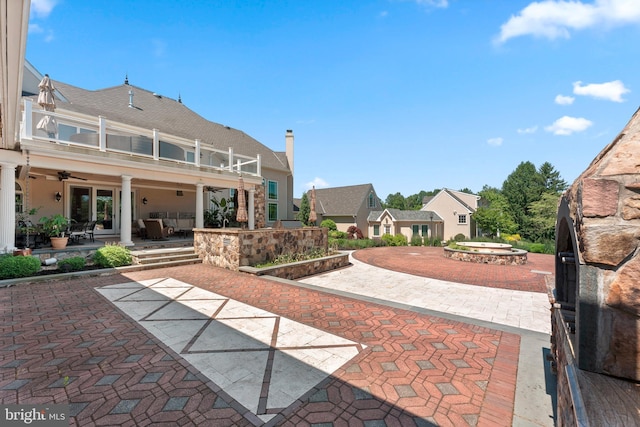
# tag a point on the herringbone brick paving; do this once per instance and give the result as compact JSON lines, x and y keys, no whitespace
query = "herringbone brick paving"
{"x":61,"y":342}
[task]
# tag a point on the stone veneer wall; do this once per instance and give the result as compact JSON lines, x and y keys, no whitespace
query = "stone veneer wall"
{"x":602,"y":208}
{"x":299,"y":269}
{"x":232,"y":248}
{"x":517,"y":257}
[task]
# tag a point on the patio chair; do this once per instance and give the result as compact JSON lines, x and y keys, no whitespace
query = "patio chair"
{"x":156,"y":230}
{"x":76,"y":231}
{"x":89,"y":229}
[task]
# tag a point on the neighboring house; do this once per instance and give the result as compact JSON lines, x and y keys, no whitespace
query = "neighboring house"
{"x":346,"y":206}
{"x":456,"y":210}
{"x":409,"y":223}
{"x":125,"y":153}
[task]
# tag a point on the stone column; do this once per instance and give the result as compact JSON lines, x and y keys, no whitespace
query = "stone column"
{"x":125,"y":212}
{"x":7,"y":207}
{"x":251,"y":209}
{"x":199,"y":206}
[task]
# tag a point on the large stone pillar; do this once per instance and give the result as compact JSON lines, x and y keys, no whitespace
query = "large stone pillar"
{"x":7,"y":207}
{"x":125,"y":212}
{"x":199,"y":206}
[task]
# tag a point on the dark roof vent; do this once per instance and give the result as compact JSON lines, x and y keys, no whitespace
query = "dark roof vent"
{"x":126,"y":79}
{"x":157,"y":95}
{"x":179,"y":98}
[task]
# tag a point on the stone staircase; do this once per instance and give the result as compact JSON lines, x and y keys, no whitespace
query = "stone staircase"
{"x":164,"y":257}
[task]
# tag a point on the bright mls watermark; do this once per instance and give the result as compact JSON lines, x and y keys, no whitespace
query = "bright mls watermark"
{"x":34,"y":415}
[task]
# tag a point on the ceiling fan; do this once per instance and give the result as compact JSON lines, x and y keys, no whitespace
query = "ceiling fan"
{"x":62,"y":175}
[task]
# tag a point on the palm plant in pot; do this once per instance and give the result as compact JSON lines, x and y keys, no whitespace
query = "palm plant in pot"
{"x":55,"y":226}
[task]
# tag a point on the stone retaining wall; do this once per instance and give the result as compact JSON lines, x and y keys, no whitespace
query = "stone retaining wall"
{"x":232,"y":248}
{"x":299,"y":269}
{"x":517,"y":257}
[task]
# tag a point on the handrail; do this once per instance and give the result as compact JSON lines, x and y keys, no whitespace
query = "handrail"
{"x":101,"y":126}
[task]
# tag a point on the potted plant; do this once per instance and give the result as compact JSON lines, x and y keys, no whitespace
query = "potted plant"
{"x":55,"y":226}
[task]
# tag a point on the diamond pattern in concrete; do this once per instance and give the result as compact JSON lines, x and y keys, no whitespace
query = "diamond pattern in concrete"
{"x":262,"y":360}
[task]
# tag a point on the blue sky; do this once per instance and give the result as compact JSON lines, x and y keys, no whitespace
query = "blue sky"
{"x":408,"y":95}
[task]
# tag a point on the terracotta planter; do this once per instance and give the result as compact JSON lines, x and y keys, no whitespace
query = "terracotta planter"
{"x":59,"y":242}
{"x":22,"y":252}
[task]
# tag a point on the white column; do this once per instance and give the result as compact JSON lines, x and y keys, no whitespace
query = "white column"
{"x":125,"y":212}
{"x":251,"y":208}
{"x":8,"y":207}
{"x":199,"y":206}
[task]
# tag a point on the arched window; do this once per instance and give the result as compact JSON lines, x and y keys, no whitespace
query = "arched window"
{"x":19,"y":199}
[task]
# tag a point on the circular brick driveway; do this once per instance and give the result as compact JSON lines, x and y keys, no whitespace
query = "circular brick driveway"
{"x":431,"y":262}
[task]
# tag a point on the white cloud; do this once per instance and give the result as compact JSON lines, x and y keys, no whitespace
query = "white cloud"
{"x":42,"y":8}
{"x":611,"y":91}
{"x":568,"y":125}
{"x":553,"y":19}
{"x":434,"y":3}
{"x":35,"y":29}
{"x":495,"y":142}
{"x":564,"y":100}
{"x":317,"y":182}
{"x":532,"y":129}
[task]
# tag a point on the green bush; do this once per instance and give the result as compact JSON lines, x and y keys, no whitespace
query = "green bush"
{"x":329,"y":223}
{"x":459,"y":237}
{"x":397,"y":240}
{"x":335,"y":234}
{"x":72,"y":264}
{"x":353,"y":244}
{"x":112,"y":256}
{"x":416,"y":240}
{"x":12,"y":267}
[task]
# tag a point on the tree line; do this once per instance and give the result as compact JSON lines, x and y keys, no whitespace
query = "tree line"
{"x":526,"y":203}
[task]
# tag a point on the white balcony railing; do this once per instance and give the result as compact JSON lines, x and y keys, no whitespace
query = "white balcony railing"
{"x":102,"y":135}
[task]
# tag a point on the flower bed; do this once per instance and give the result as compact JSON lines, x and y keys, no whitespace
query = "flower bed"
{"x":299,"y":269}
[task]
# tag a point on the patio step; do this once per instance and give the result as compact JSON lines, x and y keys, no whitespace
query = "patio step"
{"x":165,"y":256}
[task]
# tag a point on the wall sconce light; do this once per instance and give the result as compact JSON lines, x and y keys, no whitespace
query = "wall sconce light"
{"x":144,"y":200}
{"x":179,"y":193}
{"x":58,"y":196}
{"x":455,"y":213}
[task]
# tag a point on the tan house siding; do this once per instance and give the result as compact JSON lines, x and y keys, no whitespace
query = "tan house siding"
{"x":451,"y":206}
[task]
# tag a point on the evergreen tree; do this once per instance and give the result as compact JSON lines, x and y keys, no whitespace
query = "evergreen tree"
{"x":551,"y":179}
{"x":521,"y":188}
{"x":305,"y":210}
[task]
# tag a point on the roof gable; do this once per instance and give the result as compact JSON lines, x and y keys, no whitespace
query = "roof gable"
{"x":342,"y":201}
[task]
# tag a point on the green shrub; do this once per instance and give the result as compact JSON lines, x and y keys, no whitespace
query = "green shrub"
{"x":112,"y":256}
{"x":459,"y":237}
{"x":353,"y":244}
{"x":416,"y":240}
{"x":12,"y":267}
{"x":387,"y":239}
{"x":335,"y":234}
{"x":400,"y":240}
{"x":397,"y":240}
{"x":72,"y":264}
{"x":329,"y":223}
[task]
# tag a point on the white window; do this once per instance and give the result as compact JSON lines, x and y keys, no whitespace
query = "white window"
{"x":387,"y":229}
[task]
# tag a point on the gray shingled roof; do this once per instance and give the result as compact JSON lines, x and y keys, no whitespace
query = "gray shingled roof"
{"x":169,"y":116}
{"x":341,"y":201}
{"x":402,"y":215}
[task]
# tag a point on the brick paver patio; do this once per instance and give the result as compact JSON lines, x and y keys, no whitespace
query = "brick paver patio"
{"x":62,"y":342}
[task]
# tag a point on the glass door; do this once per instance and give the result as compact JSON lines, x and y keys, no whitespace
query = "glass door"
{"x":104,"y":211}
{"x":80,"y":208}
